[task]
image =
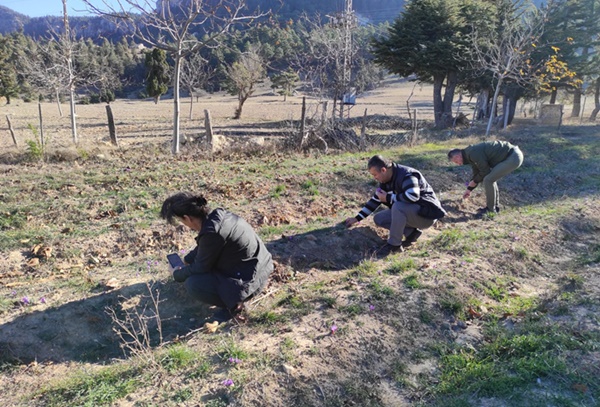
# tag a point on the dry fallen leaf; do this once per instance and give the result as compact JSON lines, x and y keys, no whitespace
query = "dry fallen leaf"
{"x":33,"y":262}
{"x":46,"y":252}
{"x":211,"y":327}
{"x":474,"y":313}
{"x":112,"y":283}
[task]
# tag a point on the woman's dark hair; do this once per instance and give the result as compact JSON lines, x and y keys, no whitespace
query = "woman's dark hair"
{"x":184,"y":203}
{"x":378,"y":162}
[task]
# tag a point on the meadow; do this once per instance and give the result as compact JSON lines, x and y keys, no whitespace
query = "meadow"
{"x":501,"y":311}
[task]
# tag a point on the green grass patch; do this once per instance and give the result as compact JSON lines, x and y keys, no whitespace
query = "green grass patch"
{"x":366,"y":268}
{"x":231,"y":349}
{"x":177,"y":357}
{"x":352,"y":309}
{"x":270,"y":318}
{"x":412,"y":281}
{"x":100,"y":388}
{"x":457,"y":241}
{"x":399,"y":266}
{"x":512,"y":363}
{"x":380,"y":291}
{"x":310,"y":186}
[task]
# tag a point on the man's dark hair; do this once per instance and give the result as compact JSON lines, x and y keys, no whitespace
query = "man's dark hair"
{"x":184,"y":203}
{"x":378,"y":162}
{"x":454,"y":152}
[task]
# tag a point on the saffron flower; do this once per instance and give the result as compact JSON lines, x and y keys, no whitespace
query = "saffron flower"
{"x":234,"y":360}
{"x":371,"y":307}
{"x":43,"y":300}
{"x":333,"y":329}
{"x":227,"y":383}
{"x":25,"y":300}
{"x":13,"y":293}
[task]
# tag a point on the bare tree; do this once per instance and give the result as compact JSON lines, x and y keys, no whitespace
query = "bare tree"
{"x":168,"y":25}
{"x":45,"y":69}
{"x":66,"y":44}
{"x":322,"y":62}
{"x":507,"y":55}
{"x":195,"y":74}
{"x":243,"y":75}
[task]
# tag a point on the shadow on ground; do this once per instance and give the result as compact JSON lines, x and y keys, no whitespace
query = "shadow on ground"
{"x":331,"y":248}
{"x":83,"y":330}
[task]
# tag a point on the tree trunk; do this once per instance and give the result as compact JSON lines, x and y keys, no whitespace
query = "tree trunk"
{"x":191,"y":90}
{"x":451,"y":81}
{"x":553,"y":96}
{"x":72,"y":111}
{"x":176,"y":72}
{"x":60,"y":112}
{"x":67,"y":43}
{"x":438,"y":104}
{"x":576,"y":103}
{"x":596,"y":101}
{"x":494,"y":104}
{"x":512,"y":108}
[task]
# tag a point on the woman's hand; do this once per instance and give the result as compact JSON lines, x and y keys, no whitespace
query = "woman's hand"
{"x":181,"y":274}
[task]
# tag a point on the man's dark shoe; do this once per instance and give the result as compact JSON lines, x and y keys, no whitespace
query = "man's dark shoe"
{"x":412,"y":238}
{"x":388,"y":249}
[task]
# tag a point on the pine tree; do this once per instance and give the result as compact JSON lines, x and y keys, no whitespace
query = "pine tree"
{"x":157,"y":77}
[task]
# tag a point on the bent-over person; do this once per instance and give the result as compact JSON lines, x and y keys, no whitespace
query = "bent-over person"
{"x":490,"y":161}
{"x":411,"y":201}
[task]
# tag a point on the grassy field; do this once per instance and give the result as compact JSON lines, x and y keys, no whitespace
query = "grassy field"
{"x":501,"y":311}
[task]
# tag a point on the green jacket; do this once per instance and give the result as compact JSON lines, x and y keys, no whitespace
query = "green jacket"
{"x":485,"y":156}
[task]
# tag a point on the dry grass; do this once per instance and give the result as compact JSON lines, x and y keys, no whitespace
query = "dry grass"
{"x":495,"y":312}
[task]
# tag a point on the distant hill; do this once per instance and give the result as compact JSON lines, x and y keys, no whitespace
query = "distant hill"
{"x":368,"y":11}
{"x":11,"y":20}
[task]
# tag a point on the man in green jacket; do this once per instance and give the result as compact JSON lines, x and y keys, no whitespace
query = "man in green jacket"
{"x":490,"y":160}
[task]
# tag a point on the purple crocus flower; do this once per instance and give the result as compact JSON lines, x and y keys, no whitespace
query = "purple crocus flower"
{"x":227,"y":383}
{"x":371,"y":307}
{"x":43,"y":300}
{"x":25,"y":300}
{"x":333,"y":329}
{"x":234,"y":360}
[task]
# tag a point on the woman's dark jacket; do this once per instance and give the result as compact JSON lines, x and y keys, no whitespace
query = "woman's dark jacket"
{"x":229,"y":246}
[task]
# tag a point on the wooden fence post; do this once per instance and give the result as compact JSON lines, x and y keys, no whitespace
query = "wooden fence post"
{"x":413,"y":138}
{"x":303,"y":122}
{"x":363,"y":132}
{"x":111,"y":126}
{"x":42,"y":141}
{"x":12,"y":133}
{"x":324,"y":115}
{"x":208,"y":129}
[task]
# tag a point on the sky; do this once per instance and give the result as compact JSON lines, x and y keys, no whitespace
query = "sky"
{"x":40,"y":8}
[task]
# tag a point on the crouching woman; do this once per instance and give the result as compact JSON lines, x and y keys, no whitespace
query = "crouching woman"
{"x":229,"y":264}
